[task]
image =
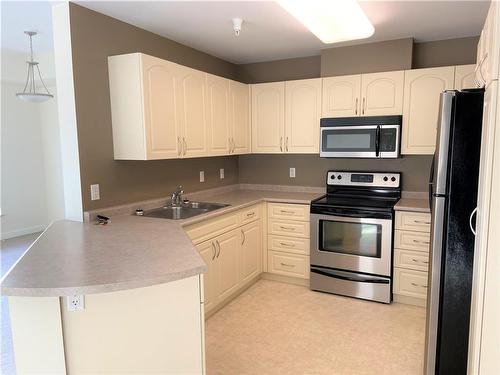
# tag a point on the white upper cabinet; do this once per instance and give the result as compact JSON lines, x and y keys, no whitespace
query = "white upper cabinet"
{"x":192,"y":112}
{"x":421,"y":107}
{"x":240,"y":117}
{"x":382,"y":93}
{"x":465,"y":77}
{"x":218,"y":115}
{"x":162,"y":110}
{"x":268,"y":120}
{"x":488,"y":54}
{"x":341,"y":96}
{"x":143,"y":107}
{"x":302,"y":115}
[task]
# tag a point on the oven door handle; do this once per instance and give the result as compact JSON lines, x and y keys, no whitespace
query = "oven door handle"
{"x":343,"y":276}
{"x":377,"y":141}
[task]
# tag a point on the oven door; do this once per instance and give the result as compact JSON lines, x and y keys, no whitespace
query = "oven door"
{"x":352,"y":243}
{"x":367,"y":141}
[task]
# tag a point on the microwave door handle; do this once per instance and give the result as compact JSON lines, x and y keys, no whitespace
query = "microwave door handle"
{"x":377,"y":141}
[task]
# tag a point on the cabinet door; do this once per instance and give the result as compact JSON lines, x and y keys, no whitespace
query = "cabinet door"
{"x":421,"y":107}
{"x":251,"y":250}
{"x":162,"y":130}
{"x":218,"y":115}
{"x":240,"y":117}
{"x":302,"y":115}
{"x":268,"y":107}
{"x":208,"y":252}
{"x":228,"y":269}
{"x":192,"y":112}
{"x":465,"y":77}
{"x":382,"y":93}
{"x":341,"y":96}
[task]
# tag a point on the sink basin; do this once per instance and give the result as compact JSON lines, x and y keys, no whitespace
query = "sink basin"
{"x":185,"y":211}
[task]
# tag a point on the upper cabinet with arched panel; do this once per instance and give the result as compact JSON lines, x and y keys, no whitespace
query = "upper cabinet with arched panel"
{"x":465,"y":77}
{"x":341,"y":96}
{"x":421,"y":107}
{"x":382,"y":93}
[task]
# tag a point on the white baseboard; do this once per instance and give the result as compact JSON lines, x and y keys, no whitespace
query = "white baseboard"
{"x":22,"y":231}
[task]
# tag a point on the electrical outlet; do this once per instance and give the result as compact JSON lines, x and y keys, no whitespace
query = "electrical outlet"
{"x":202,"y":176}
{"x":75,"y":302}
{"x":292,"y":172}
{"x":221,"y":172}
{"x":94,"y":192}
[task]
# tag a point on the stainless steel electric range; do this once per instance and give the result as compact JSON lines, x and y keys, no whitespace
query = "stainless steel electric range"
{"x":352,"y":235}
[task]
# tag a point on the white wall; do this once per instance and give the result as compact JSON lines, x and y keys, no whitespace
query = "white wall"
{"x":31,"y":179}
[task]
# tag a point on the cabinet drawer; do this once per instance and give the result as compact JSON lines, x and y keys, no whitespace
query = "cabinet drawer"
{"x":416,"y":221}
{"x":213,"y":227}
{"x":288,"y":244}
{"x":298,"y":212}
{"x":410,"y":283}
{"x":288,"y":264}
{"x":418,"y":241}
{"x":288,"y":228}
{"x":249,"y":214}
{"x":415,"y":260}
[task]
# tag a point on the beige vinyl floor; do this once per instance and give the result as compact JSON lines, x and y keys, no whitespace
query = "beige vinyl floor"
{"x":277,"y":328}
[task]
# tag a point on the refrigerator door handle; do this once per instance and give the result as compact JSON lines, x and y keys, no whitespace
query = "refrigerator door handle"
{"x":472,"y":229}
{"x":431,"y":182}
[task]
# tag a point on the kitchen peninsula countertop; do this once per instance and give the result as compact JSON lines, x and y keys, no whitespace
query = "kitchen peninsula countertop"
{"x":130,"y":252}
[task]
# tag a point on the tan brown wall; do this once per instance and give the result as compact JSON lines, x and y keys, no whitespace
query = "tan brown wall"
{"x":367,"y":58}
{"x":459,"y":51}
{"x":94,"y":37}
{"x":311,"y":170}
{"x":280,"y":70}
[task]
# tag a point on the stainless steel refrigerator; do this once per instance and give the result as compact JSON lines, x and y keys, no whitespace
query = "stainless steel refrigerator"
{"x":453,"y":189}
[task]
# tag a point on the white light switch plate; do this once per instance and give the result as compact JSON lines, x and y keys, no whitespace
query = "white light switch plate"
{"x":221,"y":173}
{"x":94,"y":192}
{"x":202,"y":176}
{"x":292,"y":172}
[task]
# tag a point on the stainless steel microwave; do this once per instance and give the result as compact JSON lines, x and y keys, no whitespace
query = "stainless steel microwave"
{"x":360,"y":137}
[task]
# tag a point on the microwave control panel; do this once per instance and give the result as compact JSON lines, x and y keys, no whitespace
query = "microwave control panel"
{"x":389,"y":179}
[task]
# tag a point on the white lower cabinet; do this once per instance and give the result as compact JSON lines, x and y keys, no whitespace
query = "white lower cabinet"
{"x":233,"y":258}
{"x":251,"y":251}
{"x":288,"y":240}
{"x":411,"y":257}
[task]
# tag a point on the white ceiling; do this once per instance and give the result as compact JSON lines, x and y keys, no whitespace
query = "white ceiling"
{"x":269,"y":32}
{"x":20,"y":16}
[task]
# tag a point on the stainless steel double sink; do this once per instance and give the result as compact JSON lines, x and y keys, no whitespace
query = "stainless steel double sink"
{"x":184,"y":211}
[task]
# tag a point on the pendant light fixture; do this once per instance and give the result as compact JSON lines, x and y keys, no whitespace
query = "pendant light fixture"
{"x":29,"y":93}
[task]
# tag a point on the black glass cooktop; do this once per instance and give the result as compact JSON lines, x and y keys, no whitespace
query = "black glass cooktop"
{"x":355,"y":202}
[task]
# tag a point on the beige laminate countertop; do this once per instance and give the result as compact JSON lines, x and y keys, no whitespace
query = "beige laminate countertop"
{"x":130,"y":252}
{"x":412,"y":204}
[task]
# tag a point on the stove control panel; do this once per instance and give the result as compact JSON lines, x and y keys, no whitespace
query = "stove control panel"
{"x":390,"y":179}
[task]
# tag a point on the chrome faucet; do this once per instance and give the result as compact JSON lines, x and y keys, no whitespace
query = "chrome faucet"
{"x":177,"y":197}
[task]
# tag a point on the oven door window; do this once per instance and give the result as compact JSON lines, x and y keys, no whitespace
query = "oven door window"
{"x":350,"y":238}
{"x":348,"y":140}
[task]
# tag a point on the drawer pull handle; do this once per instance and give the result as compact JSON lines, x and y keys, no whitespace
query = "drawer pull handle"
{"x":422,"y":242}
{"x":422,"y":222}
{"x":287,"y":265}
{"x":286,"y":228}
{"x":287,"y":244}
{"x":286,"y":212}
{"x":420,"y":261}
{"x":250,"y":214}
{"x":421,"y":286}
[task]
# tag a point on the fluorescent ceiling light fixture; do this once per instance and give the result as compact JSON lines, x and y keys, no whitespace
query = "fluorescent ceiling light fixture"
{"x":332,"y":21}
